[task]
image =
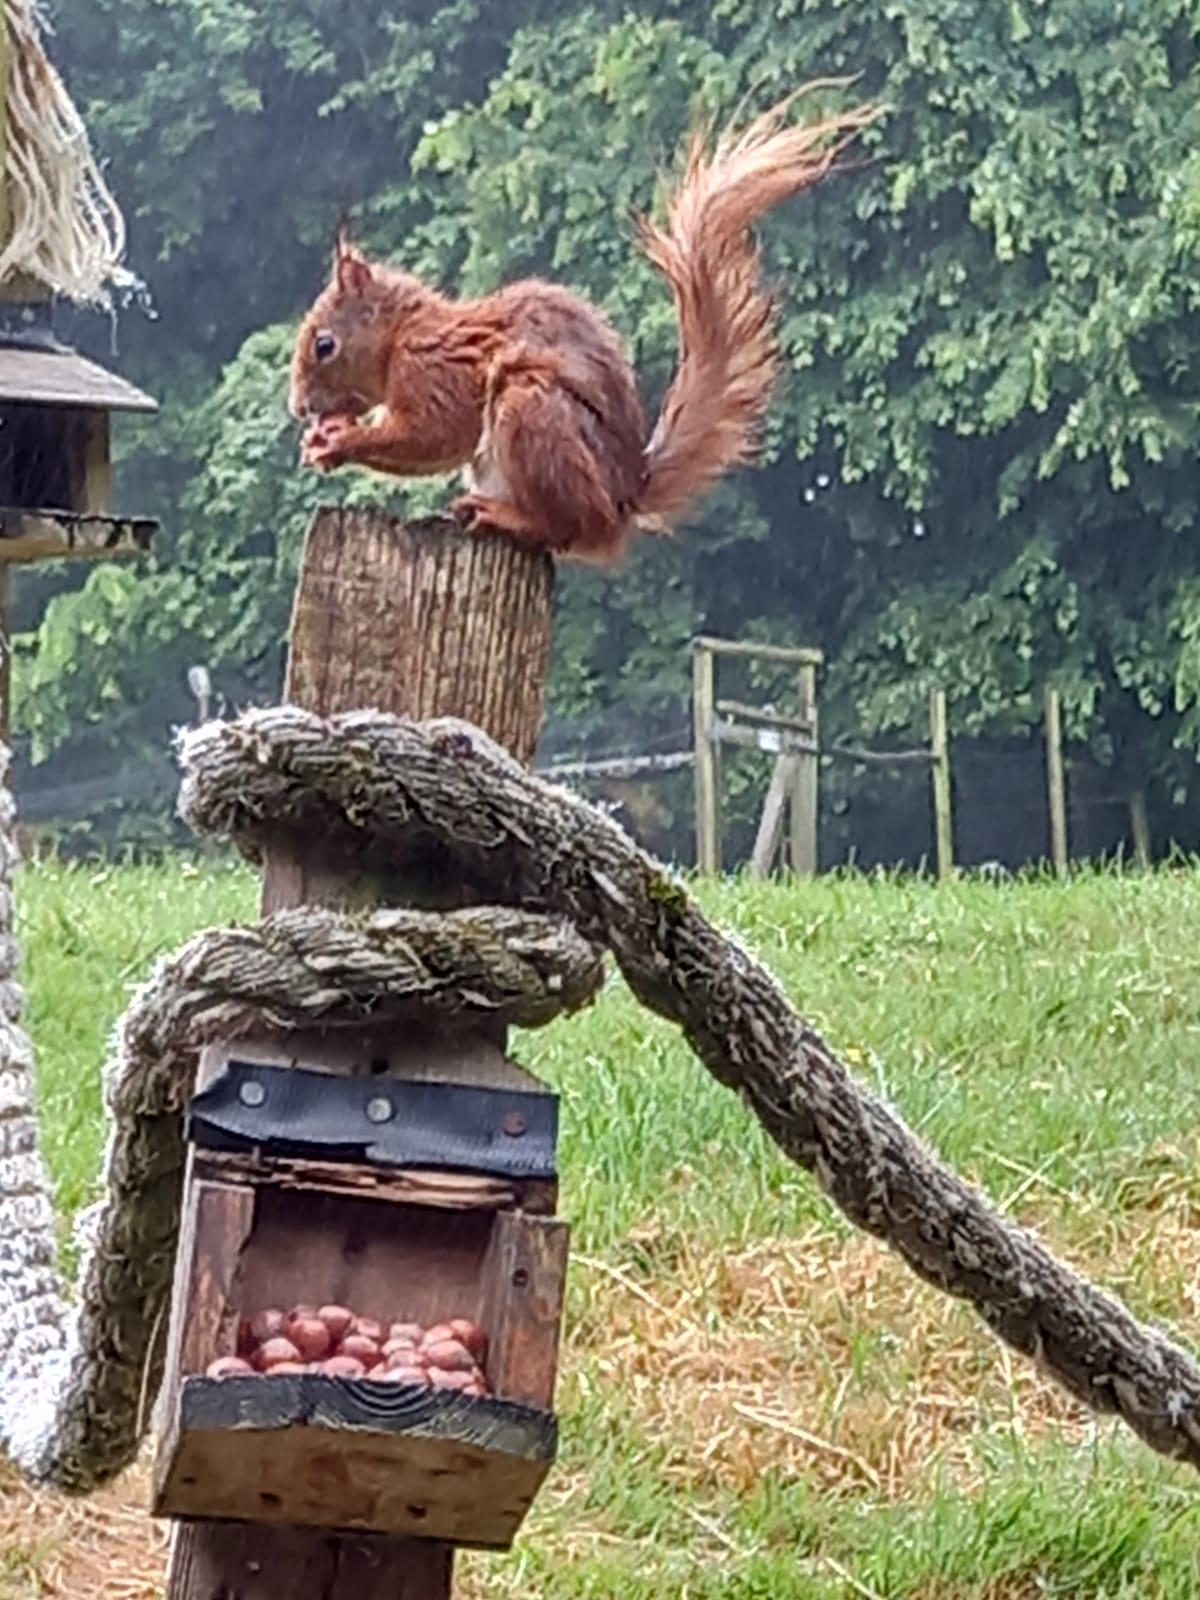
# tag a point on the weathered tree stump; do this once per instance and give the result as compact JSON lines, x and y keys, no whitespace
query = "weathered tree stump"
{"x":419,"y":620}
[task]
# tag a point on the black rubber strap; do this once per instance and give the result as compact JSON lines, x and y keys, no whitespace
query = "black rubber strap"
{"x":390,"y":1122}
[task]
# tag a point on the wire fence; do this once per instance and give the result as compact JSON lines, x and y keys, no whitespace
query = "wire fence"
{"x":872,"y":813}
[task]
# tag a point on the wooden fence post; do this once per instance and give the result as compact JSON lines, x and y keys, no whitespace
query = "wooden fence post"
{"x":1139,"y":822}
{"x":939,"y":742}
{"x":770,"y":824}
{"x":708,"y":767}
{"x":1056,"y":781}
{"x":806,"y":768}
{"x":418,"y":620}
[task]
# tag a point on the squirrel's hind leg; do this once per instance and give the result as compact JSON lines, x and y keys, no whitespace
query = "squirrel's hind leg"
{"x":537,"y":476}
{"x":483,"y":513}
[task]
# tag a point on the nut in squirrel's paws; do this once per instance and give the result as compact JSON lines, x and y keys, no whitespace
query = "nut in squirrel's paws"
{"x":323,"y":438}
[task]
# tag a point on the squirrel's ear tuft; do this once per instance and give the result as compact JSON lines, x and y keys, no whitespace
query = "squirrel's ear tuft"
{"x":351,"y":271}
{"x":353,"y":275}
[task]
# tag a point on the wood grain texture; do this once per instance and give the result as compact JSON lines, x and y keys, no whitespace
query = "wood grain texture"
{"x":524,"y":1278}
{"x":770,"y":825}
{"x":708,"y":763}
{"x":260,"y":1562}
{"x":452,"y":1191}
{"x":422,"y":620}
{"x":96,"y":488}
{"x":374,"y":1457}
{"x":806,"y":782}
{"x":63,"y":378}
{"x":943,"y":811}
{"x":419,"y":620}
{"x":396,"y":1263}
{"x":214,"y":1232}
{"x":1056,"y":782}
{"x":417,"y":1052}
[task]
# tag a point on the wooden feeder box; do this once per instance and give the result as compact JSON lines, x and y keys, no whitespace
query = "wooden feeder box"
{"x":55,"y":459}
{"x":406,"y":1200}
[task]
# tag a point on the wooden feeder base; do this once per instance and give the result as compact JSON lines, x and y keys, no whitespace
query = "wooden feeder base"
{"x":317,"y":1451}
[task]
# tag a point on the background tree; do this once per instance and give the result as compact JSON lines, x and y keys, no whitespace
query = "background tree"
{"x":980,"y":467}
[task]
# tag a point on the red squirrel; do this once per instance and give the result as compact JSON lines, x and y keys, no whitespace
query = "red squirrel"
{"x":530,"y":389}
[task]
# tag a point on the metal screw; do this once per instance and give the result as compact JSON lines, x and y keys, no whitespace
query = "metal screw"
{"x":513,"y":1124}
{"x":380,"y":1109}
{"x":251,"y":1093}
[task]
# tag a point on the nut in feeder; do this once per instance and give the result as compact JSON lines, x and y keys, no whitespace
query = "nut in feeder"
{"x":368,"y":1299}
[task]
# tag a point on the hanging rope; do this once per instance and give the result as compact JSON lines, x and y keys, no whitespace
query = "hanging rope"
{"x":414,"y":788}
{"x":65,"y":228}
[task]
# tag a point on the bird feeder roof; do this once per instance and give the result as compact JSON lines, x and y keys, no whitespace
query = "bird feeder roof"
{"x":60,"y":377}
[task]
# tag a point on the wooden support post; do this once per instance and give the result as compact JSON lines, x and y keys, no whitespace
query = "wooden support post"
{"x":805,"y":772}
{"x":708,"y":762}
{"x":943,"y":815}
{"x":418,"y":620}
{"x":6,"y":626}
{"x":1056,"y":781}
{"x":5,"y":78}
{"x":1139,"y":822}
{"x":770,"y":827}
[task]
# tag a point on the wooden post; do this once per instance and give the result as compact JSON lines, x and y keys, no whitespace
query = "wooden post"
{"x":806,"y":769}
{"x":1056,"y":782}
{"x":939,"y":742}
{"x":5,"y":647}
{"x":708,"y":762}
{"x":419,"y":620}
{"x":770,"y":826}
{"x":1139,"y":823}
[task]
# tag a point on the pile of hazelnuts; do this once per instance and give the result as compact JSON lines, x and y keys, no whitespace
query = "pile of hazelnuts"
{"x":336,"y":1341}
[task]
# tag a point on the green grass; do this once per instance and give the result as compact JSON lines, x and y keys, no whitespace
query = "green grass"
{"x":1045,"y":1037}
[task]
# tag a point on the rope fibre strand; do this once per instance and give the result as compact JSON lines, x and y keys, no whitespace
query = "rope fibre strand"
{"x":67,"y":231}
{"x":410,"y":788}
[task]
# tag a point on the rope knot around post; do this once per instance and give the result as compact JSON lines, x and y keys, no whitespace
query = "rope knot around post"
{"x":77,"y":1376}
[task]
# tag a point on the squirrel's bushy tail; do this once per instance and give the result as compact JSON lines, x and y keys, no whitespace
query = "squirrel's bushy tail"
{"x":727,"y":354}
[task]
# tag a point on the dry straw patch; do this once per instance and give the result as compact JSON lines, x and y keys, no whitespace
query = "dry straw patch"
{"x":102,"y":1548}
{"x":804,"y":1356}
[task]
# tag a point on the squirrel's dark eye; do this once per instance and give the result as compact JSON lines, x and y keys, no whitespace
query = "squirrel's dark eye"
{"x":324,"y":346}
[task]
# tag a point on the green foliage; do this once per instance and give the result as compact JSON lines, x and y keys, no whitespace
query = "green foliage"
{"x":980,"y":466}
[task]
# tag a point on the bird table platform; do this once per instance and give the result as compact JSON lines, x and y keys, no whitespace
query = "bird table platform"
{"x":56,"y":495}
{"x":55,"y":452}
